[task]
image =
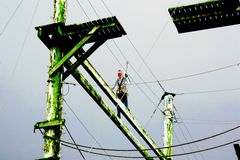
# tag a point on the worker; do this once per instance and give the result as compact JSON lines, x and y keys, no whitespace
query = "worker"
{"x":122,"y":92}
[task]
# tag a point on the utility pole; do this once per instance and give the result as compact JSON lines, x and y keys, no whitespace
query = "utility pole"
{"x":54,"y":97}
{"x":168,"y":124}
{"x":54,"y":122}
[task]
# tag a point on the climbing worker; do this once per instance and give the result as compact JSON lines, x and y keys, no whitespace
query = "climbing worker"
{"x":121,"y":91}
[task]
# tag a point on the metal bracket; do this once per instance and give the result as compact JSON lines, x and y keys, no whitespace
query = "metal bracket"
{"x":49,"y":124}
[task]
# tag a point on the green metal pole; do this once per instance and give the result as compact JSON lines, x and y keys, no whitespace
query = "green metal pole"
{"x":54,"y":98}
{"x":168,"y":125}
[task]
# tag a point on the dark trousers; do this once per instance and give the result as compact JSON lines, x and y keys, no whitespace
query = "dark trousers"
{"x":123,"y":97}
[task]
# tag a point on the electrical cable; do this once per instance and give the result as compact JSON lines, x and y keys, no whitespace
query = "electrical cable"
{"x":135,"y":150}
{"x":82,"y":9}
{"x":201,"y":73}
{"x":199,"y":92}
{"x":209,"y":91}
{"x":74,"y":142}
{"x":174,"y":155}
{"x":24,"y":41}
{"x":211,"y":121}
{"x":157,"y":107}
{"x":95,"y":11}
{"x":158,"y":36}
{"x":182,"y":148}
{"x":185,"y":138}
{"x":138,"y":53}
{"x":11,"y":17}
{"x":83,"y":124}
{"x":105,"y":5}
{"x":193,"y":75}
{"x":188,"y":132}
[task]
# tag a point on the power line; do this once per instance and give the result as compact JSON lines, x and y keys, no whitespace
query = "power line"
{"x":173,"y":146}
{"x":185,"y":137}
{"x":158,"y":36}
{"x":138,"y":53}
{"x":186,"y":129}
{"x":174,"y":155}
{"x":82,"y":9}
{"x":198,"y":92}
{"x":210,"y":91}
{"x":11,"y":17}
{"x":193,"y":75}
{"x":24,"y":41}
{"x":183,"y":149}
{"x":74,"y":141}
{"x":212,"y":121}
{"x":105,"y":5}
{"x":201,"y":73}
{"x":83,"y":125}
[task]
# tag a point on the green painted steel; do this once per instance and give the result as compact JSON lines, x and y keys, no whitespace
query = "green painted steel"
{"x":168,"y":125}
{"x":110,"y":113}
{"x":54,"y":98}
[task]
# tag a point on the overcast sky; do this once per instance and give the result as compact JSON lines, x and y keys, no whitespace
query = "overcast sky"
{"x":151,"y":35}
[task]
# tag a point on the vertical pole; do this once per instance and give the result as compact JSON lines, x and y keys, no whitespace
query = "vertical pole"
{"x":54,"y":98}
{"x":168,"y":125}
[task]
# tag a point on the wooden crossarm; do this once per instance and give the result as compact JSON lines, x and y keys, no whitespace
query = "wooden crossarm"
{"x":72,"y":51}
{"x":82,"y":57}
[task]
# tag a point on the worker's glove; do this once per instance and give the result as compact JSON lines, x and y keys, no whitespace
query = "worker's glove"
{"x":126,"y":75}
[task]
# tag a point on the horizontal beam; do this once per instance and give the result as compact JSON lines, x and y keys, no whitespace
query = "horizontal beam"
{"x":59,"y":34}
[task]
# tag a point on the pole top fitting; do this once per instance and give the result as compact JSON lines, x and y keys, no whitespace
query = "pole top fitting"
{"x":167,"y":93}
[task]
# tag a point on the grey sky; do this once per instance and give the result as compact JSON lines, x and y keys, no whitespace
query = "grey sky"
{"x":23,"y":90}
